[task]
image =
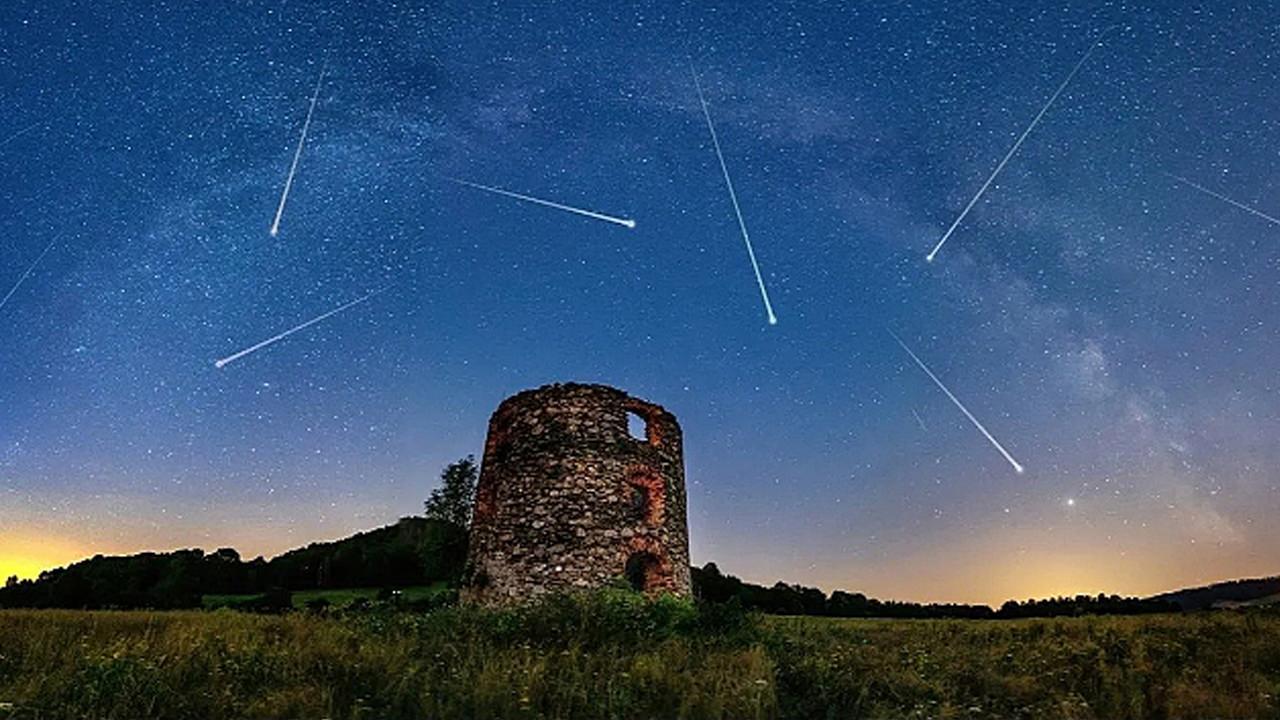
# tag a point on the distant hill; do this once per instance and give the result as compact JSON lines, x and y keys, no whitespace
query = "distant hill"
{"x":413,"y":551}
{"x":1233,"y":593}
{"x":714,"y":586}
{"x":1259,"y":602}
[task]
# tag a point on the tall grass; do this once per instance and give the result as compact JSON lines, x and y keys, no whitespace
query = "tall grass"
{"x":1220,"y":665}
{"x":615,"y":655}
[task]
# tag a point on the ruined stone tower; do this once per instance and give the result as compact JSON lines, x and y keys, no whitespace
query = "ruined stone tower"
{"x":570,"y":498}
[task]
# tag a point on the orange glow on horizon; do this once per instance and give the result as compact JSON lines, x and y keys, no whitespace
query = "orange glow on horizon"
{"x":28,"y":556}
{"x":1015,"y":562}
{"x":988,"y":567}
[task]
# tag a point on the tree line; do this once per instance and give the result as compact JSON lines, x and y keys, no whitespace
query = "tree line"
{"x":433,"y":548}
{"x":414,"y":551}
{"x":711,"y":585}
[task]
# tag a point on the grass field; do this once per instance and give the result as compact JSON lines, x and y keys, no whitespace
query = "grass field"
{"x":617,"y":656}
{"x":337,"y":598}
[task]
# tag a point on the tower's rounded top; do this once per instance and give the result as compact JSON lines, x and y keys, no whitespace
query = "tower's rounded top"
{"x":553,"y":390}
{"x":583,"y":411}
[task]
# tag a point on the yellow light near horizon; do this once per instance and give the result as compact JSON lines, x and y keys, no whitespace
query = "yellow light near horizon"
{"x":27,"y":557}
{"x":1017,"y":563}
{"x":24,"y":568}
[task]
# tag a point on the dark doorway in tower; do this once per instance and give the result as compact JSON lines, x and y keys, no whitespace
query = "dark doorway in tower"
{"x":643,"y":571}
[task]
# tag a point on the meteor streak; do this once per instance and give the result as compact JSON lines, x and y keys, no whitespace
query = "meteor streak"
{"x":32,"y":267}
{"x":733,"y":196}
{"x":297,"y":155}
{"x":19,"y":134}
{"x":1014,"y":149}
{"x":1016,"y":467}
{"x":625,"y":222}
{"x":271,"y":340}
{"x":919,"y":420}
{"x":1224,"y":198}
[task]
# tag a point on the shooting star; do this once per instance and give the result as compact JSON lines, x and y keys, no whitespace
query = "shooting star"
{"x":625,"y":222}
{"x":919,"y":420}
{"x":24,"y":276}
{"x":19,"y":134}
{"x":297,"y":155}
{"x":733,"y":196}
{"x":1224,"y":198}
{"x":1016,"y":145}
{"x":1016,"y":466}
{"x":272,"y":340}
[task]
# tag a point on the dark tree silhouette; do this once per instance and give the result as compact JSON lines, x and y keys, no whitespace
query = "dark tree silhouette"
{"x":712,"y":586}
{"x":452,"y":501}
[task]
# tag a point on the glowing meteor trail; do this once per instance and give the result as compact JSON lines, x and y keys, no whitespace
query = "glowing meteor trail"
{"x":19,"y":134}
{"x":1036,"y":121}
{"x":297,"y":155}
{"x":733,"y":196}
{"x":1225,"y":199}
{"x":919,"y":420}
{"x":1016,"y":467}
{"x":22,"y":279}
{"x":625,"y":222}
{"x":272,"y":340}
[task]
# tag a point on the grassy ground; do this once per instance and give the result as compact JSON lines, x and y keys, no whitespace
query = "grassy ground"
{"x":337,"y":598}
{"x":615,"y":656}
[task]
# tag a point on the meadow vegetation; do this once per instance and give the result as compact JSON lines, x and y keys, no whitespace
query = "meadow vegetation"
{"x":614,"y":654}
{"x":337,"y":599}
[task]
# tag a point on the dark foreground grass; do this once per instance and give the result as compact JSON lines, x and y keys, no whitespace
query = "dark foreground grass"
{"x":614,"y":655}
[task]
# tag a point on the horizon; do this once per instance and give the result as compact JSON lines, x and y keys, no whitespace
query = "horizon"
{"x":265,"y":270}
{"x":995,"y":604}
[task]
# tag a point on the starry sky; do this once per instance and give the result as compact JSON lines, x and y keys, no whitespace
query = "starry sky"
{"x":1114,"y":327}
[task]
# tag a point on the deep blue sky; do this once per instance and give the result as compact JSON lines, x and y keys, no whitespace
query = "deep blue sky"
{"x":1115,"y":329}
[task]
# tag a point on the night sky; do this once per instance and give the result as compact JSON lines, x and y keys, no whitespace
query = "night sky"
{"x":1113,"y":327}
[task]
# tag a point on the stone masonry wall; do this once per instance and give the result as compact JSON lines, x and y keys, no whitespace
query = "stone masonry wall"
{"x":567,"y":499}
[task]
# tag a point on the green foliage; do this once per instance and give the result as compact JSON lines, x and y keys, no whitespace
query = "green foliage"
{"x":392,"y":555}
{"x":1164,"y":666}
{"x":444,"y":552}
{"x":613,"y":654}
{"x":452,"y":501}
{"x":606,"y":617}
{"x":337,"y":598}
{"x":608,"y":655}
